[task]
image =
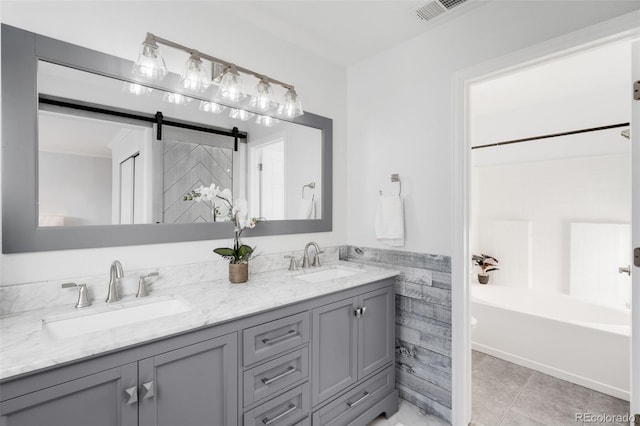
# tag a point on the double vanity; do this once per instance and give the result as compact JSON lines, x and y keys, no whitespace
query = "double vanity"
{"x":289,"y":347}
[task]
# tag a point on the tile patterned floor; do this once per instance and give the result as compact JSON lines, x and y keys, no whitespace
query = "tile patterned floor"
{"x":408,"y":415}
{"x":506,"y":394}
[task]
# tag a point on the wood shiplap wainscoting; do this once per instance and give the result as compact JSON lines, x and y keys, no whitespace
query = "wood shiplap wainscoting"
{"x":423,"y":324}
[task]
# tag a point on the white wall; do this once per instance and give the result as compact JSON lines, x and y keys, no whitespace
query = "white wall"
{"x":551,"y":195}
{"x":400,"y":109}
{"x":76,"y":187}
{"x":118,"y":28}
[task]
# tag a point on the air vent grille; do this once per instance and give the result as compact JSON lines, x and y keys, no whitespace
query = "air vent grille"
{"x":435,"y":8}
{"x":450,"y":4}
{"x":430,"y":10}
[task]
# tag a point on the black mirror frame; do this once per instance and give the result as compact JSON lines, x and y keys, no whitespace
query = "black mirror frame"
{"x":21,"y":51}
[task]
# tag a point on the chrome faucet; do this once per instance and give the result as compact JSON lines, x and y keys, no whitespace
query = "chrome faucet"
{"x":316,"y":257}
{"x":115,"y":273}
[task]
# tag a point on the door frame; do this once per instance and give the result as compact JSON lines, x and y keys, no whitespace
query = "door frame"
{"x":616,"y":29}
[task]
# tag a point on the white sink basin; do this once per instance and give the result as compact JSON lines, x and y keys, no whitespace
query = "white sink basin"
{"x":91,"y":322}
{"x":328,"y":274}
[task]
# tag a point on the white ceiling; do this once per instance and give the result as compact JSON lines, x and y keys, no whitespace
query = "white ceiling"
{"x":343,"y":32}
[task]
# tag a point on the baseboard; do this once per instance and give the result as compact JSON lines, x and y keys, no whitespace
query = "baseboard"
{"x":551,"y":371}
{"x":388,"y":405}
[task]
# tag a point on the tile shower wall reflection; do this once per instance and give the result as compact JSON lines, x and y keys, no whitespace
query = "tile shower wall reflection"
{"x":423,"y":324}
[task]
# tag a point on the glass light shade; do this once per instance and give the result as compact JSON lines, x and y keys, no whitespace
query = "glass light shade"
{"x":211,"y":107}
{"x":265,"y":99}
{"x":194,"y":76}
{"x":176,"y":98}
{"x":291,"y":107}
{"x":136,"y":89}
{"x":150,"y":63}
{"x":267,"y":121}
{"x":231,"y":86}
{"x":240,"y":114}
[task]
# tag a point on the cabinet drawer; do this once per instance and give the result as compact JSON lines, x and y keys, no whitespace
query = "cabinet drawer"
{"x":286,"y":410}
{"x":275,"y":337}
{"x":275,"y":375}
{"x":358,"y":400}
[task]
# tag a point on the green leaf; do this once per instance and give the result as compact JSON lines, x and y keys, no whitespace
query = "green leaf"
{"x":225,"y":252}
{"x":244,"y":251}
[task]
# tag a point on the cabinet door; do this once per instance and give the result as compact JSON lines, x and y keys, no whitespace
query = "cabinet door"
{"x":98,"y":399}
{"x":195,"y":385}
{"x":334,"y":356}
{"x":375,"y":331}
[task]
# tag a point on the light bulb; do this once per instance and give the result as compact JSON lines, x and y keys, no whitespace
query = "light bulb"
{"x":291,"y":107}
{"x":264,"y":100}
{"x":194,"y":76}
{"x":136,"y":89}
{"x":176,"y":98}
{"x":150,"y":63}
{"x":231,"y":86}
{"x":240,"y":114}
{"x":211,"y":107}
{"x":267,"y":121}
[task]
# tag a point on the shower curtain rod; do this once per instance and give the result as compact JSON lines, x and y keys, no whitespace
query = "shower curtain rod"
{"x":553,"y":135}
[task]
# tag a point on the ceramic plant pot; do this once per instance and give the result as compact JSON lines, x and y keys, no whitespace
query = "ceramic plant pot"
{"x":238,"y":273}
{"x":483,"y":279}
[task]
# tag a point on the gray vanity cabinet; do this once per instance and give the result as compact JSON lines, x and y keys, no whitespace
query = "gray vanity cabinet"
{"x":352,"y":338}
{"x":99,"y":399}
{"x":375,"y":331}
{"x":335,"y":348}
{"x":195,"y":385}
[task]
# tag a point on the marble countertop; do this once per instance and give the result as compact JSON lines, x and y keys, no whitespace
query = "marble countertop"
{"x":25,"y":347}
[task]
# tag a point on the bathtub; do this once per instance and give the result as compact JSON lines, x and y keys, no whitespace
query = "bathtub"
{"x":571,"y":339}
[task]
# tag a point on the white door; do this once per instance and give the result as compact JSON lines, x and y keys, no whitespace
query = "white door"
{"x":635,"y":231}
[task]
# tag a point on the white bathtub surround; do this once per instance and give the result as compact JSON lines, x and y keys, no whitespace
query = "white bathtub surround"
{"x":389,"y":224}
{"x":568,"y":338}
{"x":42,"y":294}
{"x":24,"y":348}
{"x":594,"y":273}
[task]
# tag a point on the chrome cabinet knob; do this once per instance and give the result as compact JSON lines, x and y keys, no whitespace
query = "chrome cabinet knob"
{"x":147,"y":389}
{"x":132,"y":394}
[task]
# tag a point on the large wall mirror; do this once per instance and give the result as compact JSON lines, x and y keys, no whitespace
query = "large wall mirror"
{"x":92,"y":158}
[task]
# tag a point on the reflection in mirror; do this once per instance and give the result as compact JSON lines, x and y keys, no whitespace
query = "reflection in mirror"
{"x":98,"y":167}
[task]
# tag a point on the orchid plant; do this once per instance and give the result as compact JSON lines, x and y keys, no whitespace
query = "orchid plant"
{"x":224,"y":208}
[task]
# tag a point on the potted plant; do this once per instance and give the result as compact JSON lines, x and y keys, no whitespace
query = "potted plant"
{"x":223,"y":208}
{"x":487,"y":264}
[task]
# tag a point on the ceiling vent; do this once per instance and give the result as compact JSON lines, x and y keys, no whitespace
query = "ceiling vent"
{"x":435,"y":8}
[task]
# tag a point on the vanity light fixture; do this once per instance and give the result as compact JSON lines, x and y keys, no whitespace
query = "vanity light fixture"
{"x":211,"y":107}
{"x":231,"y":86}
{"x":194,"y":76}
{"x":291,"y":107}
{"x":265,"y":99}
{"x":240,"y":114}
{"x":136,"y":89}
{"x":150,"y":63}
{"x":228,"y":75}
{"x":176,"y":98}
{"x":267,"y":121}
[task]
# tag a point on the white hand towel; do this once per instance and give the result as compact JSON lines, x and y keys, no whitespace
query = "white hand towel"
{"x":389,"y":224}
{"x":307,"y":209}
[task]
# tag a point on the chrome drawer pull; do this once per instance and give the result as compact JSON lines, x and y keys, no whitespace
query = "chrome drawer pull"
{"x":292,"y":407}
{"x":354,"y":403}
{"x":289,"y":370}
{"x":290,"y":334}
